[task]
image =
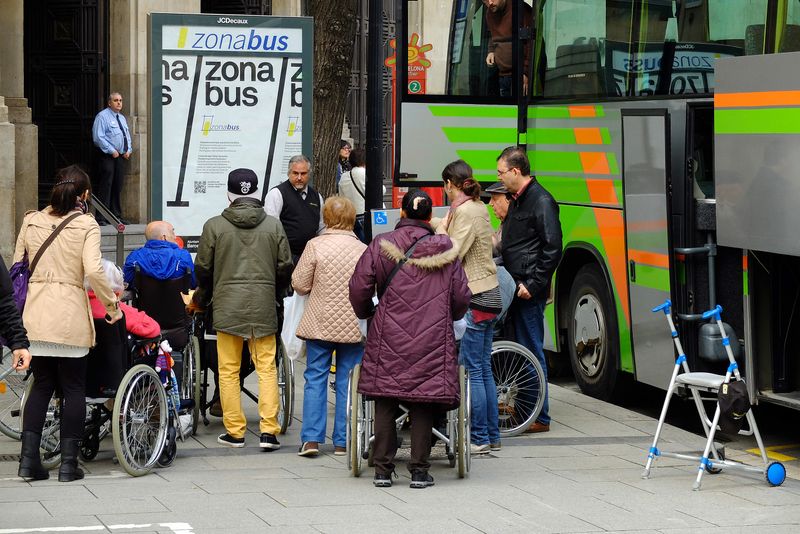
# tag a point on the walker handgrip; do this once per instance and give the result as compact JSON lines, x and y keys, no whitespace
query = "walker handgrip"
{"x":715,"y":313}
{"x":666,"y":306}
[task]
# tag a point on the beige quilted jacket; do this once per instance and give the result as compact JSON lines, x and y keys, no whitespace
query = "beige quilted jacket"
{"x":324,"y":272}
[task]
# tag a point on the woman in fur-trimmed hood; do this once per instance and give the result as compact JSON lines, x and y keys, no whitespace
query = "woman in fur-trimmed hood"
{"x":411,"y":353}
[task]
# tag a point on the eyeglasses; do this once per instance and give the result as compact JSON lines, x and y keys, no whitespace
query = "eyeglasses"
{"x":501,"y":173}
{"x":347,"y":148}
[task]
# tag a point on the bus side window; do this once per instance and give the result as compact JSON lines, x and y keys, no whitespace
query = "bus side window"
{"x":754,"y":40}
{"x":577,"y":70}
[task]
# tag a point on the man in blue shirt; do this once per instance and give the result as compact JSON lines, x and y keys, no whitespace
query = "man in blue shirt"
{"x":112,"y":136}
{"x":160,"y":258}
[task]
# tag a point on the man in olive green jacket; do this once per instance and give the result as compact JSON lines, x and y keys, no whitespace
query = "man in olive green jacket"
{"x":243,"y":266}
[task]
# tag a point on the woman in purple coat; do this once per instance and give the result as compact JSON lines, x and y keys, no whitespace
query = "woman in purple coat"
{"x":410,"y":355}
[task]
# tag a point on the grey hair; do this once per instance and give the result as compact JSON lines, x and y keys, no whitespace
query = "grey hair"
{"x":113,"y":276}
{"x":111,"y":95}
{"x":299,"y":158}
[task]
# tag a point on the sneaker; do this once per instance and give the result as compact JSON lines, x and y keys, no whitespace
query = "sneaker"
{"x":495,"y":446}
{"x":339,"y":451}
{"x":269,"y":442}
{"x":309,"y":449}
{"x":229,"y":441}
{"x":479,"y":449}
{"x":382,"y":481}
{"x":421,"y":480}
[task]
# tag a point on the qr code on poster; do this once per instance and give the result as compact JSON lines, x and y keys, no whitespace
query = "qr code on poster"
{"x":199,"y":187}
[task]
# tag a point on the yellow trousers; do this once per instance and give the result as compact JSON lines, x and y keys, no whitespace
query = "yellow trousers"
{"x":262,"y":352}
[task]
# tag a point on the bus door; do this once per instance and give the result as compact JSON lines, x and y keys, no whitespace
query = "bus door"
{"x":646,"y":181}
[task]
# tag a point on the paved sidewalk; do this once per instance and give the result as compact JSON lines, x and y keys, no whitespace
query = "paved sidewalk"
{"x":582,"y":476}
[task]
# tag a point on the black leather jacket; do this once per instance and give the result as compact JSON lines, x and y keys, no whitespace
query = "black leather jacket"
{"x":531,"y":242}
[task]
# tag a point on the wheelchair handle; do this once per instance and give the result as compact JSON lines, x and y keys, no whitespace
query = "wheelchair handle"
{"x":715,"y":313}
{"x":666,"y":306}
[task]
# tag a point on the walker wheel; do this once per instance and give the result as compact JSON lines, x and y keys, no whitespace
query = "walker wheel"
{"x":775,"y":474}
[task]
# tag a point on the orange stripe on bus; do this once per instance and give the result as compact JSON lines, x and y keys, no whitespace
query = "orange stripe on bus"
{"x":744,"y":261}
{"x":588,"y":136}
{"x":595,"y":163}
{"x":655,"y":259}
{"x":576,"y":112}
{"x":757,"y":99}
{"x":602,"y":191}
{"x":612,"y":233}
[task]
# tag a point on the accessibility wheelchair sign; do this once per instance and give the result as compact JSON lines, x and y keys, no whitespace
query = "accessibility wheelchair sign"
{"x":380,"y":217}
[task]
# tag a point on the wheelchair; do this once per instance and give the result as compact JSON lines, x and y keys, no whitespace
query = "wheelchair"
{"x":161,"y":300}
{"x":361,"y":421}
{"x":521,"y":387}
{"x":284,"y":364}
{"x":142,"y":430}
{"x":12,"y":389}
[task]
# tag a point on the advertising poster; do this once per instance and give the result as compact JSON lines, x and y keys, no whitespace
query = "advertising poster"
{"x":227,"y":92}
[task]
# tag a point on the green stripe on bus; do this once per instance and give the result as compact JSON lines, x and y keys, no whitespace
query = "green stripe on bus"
{"x":470,"y":134}
{"x":612,"y":163}
{"x":618,"y":190}
{"x":556,"y":112}
{"x":745,"y":285}
{"x":474,"y":111}
{"x":605,"y":135}
{"x":566,"y":189}
{"x":757,"y":121}
{"x":600,"y":111}
{"x":652,"y":277}
{"x":541,"y":160}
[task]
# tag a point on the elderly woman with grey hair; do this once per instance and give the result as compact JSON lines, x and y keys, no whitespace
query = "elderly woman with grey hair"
{"x":137,"y":322}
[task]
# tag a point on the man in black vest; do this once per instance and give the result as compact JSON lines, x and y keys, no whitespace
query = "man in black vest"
{"x":297,"y":205}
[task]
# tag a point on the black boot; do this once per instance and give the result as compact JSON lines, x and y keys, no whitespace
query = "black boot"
{"x":69,"y":469}
{"x":30,"y":463}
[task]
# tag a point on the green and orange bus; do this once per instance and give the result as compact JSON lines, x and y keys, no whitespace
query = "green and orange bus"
{"x":664,"y":129}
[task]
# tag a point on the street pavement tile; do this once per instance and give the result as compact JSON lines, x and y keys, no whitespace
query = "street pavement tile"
{"x":749,"y":529}
{"x":584,"y":462}
{"x":247,"y":482}
{"x":434,"y":526}
{"x":151,"y":486}
{"x":20,"y":514}
{"x":209,"y":475}
{"x":199,"y":501}
{"x":328,"y":492}
{"x":315,"y":513}
{"x":236,"y":520}
{"x":540,"y":451}
{"x":622,"y":450}
{"x":595,"y":426}
{"x":23,"y":492}
{"x":133,"y":505}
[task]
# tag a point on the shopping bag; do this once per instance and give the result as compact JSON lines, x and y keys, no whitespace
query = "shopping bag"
{"x":293,"y":308}
{"x":460,"y":328}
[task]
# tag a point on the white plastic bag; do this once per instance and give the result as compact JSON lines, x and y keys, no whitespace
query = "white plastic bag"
{"x":293,"y":308}
{"x":460,"y":328}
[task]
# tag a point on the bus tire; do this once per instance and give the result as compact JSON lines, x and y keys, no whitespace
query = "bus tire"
{"x":592,"y":336}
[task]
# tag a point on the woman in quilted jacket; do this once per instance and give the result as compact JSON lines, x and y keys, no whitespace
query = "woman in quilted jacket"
{"x":411,"y":348}
{"x":328,"y":323}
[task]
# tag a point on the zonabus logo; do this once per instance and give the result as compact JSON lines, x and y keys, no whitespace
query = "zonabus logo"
{"x":228,"y":20}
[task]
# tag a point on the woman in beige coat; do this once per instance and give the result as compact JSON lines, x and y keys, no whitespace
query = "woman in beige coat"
{"x":58,"y":317}
{"x":329,"y":323}
{"x":467,"y":224}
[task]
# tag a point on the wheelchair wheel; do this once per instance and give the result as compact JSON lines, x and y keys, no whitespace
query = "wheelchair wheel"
{"x":285,"y":387}
{"x":355,"y":423}
{"x":139,"y":424}
{"x":192,"y":379}
{"x":170,"y":447}
{"x":463,"y":422}
{"x":520,"y":386}
{"x":12,"y":390}
{"x":50,"y":446}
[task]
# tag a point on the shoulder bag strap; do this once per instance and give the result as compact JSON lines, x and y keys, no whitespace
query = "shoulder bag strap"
{"x":400,"y":263}
{"x":52,"y":238}
{"x":353,"y":181}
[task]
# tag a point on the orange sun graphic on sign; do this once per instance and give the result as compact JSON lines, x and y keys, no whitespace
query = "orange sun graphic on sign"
{"x":416,"y":53}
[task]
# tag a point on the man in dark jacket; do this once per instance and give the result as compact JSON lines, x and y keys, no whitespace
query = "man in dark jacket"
{"x":243,"y":265}
{"x":531,"y":251}
{"x":14,"y":335}
{"x":411,"y":348}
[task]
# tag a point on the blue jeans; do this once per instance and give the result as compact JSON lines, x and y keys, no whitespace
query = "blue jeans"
{"x":528,"y":317}
{"x":315,"y":400}
{"x":475,"y":354}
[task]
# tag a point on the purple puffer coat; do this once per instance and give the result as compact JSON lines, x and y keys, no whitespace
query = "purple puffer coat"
{"x":411,"y":349}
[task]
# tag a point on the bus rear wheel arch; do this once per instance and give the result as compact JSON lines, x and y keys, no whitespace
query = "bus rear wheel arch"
{"x":592,"y":336}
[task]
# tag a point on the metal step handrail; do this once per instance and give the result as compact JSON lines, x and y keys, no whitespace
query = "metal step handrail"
{"x":117,"y":223}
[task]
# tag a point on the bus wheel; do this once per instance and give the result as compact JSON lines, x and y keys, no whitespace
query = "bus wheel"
{"x":592,"y":334}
